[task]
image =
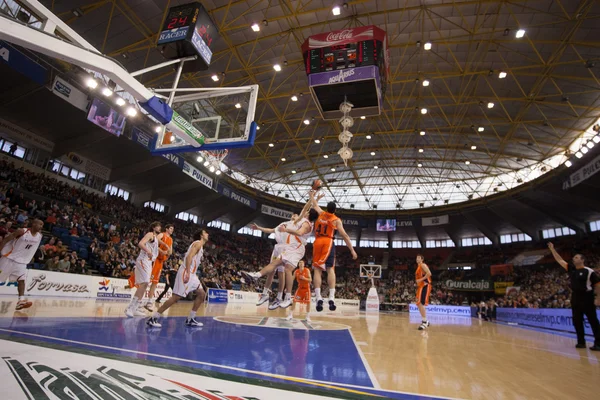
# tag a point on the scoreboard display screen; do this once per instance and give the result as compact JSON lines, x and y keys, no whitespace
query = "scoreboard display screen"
{"x":349,"y":55}
{"x":188,"y":31}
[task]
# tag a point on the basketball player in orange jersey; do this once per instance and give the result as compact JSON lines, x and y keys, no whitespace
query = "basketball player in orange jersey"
{"x":165,"y":248}
{"x":324,"y":250}
{"x":16,"y":251}
{"x":302,"y":295}
{"x":423,"y":277}
{"x":186,"y":281}
{"x":143,"y":268}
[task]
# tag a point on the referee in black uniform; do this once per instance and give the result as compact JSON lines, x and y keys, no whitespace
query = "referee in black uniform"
{"x":584,"y":282}
{"x":169,"y":283}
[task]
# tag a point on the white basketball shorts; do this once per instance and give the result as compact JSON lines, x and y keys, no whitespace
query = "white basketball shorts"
{"x":183,"y":289}
{"x":291,"y":255}
{"x":277,"y":250}
{"x":143,"y":269}
{"x":11,"y":270}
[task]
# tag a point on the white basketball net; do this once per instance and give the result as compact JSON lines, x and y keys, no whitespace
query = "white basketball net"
{"x":347,"y":122}
{"x":213,"y":159}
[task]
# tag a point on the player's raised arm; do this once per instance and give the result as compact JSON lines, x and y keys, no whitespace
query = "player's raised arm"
{"x":557,"y":256}
{"x":315,"y":202}
{"x":260,"y":228}
{"x":340,"y":228}
{"x":304,"y":211}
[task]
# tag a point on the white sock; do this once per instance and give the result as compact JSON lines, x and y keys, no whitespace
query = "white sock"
{"x":266,"y":291}
{"x":150,"y":300}
{"x":192,"y":314}
{"x":279,"y":295}
{"x":288,"y":296}
{"x":318,"y":293}
{"x":331,"y":294}
{"x":134,"y":302}
{"x":156,"y":315}
{"x":21,"y":298}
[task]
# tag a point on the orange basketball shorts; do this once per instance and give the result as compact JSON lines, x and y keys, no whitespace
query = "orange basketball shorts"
{"x":323,"y":253}
{"x":302,"y":296}
{"x":423,"y":295}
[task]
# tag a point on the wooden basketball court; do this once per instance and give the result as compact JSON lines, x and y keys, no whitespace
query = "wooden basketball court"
{"x":347,"y":353}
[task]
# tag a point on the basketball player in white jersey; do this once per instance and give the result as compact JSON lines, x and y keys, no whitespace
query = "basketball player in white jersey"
{"x":143,"y":269}
{"x":16,"y":250}
{"x":186,"y":281}
{"x":288,"y":255}
{"x":281,"y":238}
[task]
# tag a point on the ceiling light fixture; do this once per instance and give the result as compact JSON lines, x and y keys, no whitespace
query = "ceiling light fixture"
{"x":520,"y":33}
{"x":422,"y":133}
{"x":107,"y":92}
{"x":255,"y":27}
{"x":362,"y":117}
{"x":425,"y":82}
{"x":120,"y":102}
{"x":283,"y":159}
{"x":368,"y":137}
{"x":423,"y":111}
{"x":158,"y":129}
{"x":427,"y":46}
{"x":215,"y":77}
{"x":375,"y":167}
{"x":293,"y":171}
{"x":132,"y":112}
{"x":332,"y":169}
{"x":277,"y":67}
{"x":372,"y":153}
{"x":325,"y":156}
{"x":294,"y":98}
{"x":206,"y":163}
{"x":419,"y":165}
{"x":336,"y":10}
{"x":317,"y":141}
{"x":91,"y":83}
{"x":490,"y":105}
{"x":568,"y":164}
{"x":502,"y":75}
{"x":218,"y":172}
{"x":199,"y":159}
{"x":590,"y":144}
{"x":480,"y":129}
{"x":238,"y":105}
{"x":579,"y":154}
{"x":596,"y":139}
{"x":584,"y":150}
{"x":212,"y":168}
{"x":306,"y":122}
{"x":271,"y":145}
{"x":420,"y":150}
{"x":473,"y":147}
{"x":467,"y":162}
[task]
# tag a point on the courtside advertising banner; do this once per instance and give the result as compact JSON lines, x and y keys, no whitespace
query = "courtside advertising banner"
{"x":242,"y":297}
{"x":49,"y":283}
{"x":217,"y":295}
{"x":457,"y":311}
{"x":549,"y":318}
{"x":276,"y":212}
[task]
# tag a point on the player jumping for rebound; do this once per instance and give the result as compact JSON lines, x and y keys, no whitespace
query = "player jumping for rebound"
{"x":186,"y":281}
{"x":423,"y":278}
{"x":302,"y":295}
{"x":324,"y":250}
{"x":17,"y":249}
{"x":143,"y":268}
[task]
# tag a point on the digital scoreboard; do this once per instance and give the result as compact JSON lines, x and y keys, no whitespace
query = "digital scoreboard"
{"x":188,"y":31}
{"x":342,"y":56}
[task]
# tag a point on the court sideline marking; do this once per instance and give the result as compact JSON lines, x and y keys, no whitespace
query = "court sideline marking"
{"x":374,"y":380}
{"x":330,"y":385}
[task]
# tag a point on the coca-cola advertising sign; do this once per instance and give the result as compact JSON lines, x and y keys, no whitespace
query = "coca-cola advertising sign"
{"x":340,"y":35}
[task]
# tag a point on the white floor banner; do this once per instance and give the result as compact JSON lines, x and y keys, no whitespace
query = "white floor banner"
{"x":31,"y":372}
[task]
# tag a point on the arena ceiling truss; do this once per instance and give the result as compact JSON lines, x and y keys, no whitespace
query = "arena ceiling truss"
{"x":501,"y":109}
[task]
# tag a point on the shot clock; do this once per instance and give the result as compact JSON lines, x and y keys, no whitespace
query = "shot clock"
{"x":188,"y":31}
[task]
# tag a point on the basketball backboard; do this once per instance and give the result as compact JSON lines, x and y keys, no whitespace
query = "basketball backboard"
{"x":370,"y":271}
{"x":212,"y":119}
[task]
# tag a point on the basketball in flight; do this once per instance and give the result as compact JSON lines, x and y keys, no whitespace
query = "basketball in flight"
{"x":317,"y":184}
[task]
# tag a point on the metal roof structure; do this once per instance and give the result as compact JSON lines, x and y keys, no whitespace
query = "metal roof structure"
{"x":546,"y":100}
{"x":543,"y":106}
